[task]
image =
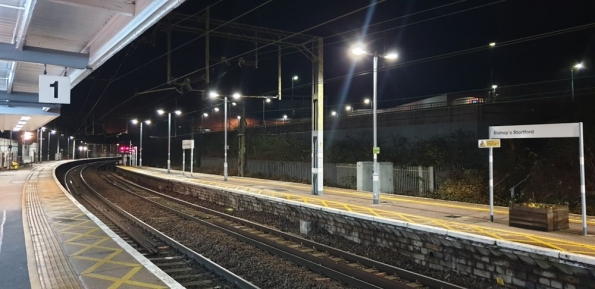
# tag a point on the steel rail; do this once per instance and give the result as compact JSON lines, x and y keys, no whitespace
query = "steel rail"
{"x":427,"y":281}
{"x":216,"y":268}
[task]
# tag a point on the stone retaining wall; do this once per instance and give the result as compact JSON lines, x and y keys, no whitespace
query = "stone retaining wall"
{"x":495,"y":260}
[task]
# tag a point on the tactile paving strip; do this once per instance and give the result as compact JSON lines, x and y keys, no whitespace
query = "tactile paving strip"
{"x":79,"y":248}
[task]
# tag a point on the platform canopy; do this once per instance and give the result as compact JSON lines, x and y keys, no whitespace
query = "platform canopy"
{"x":66,"y":37}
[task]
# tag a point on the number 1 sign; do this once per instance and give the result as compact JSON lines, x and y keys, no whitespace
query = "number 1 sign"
{"x":54,"y":89}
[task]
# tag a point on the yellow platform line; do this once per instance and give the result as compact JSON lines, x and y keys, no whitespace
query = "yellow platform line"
{"x":347,"y":208}
{"x":324,"y":204}
{"x":441,"y":203}
{"x":463,"y":227}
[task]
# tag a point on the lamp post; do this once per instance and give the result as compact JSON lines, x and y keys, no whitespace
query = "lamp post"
{"x":349,"y":108}
{"x":202,"y":119}
{"x":213,"y":111}
{"x":215,"y":95}
{"x":492,"y":46}
{"x":267,"y":100}
{"x":68,"y":146}
{"x":295,"y":77}
{"x":160,"y":112}
{"x":578,"y":66}
{"x":39,"y":155}
{"x":333,"y":113}
{"x":49,"y":134}
{"x":140,"y":150}
{"x":358,"y":50}
{"x":494,"y":90}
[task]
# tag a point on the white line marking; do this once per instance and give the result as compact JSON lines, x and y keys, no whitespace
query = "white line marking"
{"x":2,"y":228}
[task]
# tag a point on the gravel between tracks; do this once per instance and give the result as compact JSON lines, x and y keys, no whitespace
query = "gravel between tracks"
{"x":382,"y":254}
{"x":260,"y":268}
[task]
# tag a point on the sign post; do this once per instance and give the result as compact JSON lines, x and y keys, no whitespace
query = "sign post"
{"x":491,"y":144}
{"x":187,"y":145}
{"x":554,"y":130}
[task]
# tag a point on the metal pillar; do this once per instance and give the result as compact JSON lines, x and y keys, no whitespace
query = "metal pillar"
{"x":491,"y":185}
{"x":582,"y":168}
{"x":207,"y":40}
{"x":279,"y":72}
{"x":49,"y":135}
{"x":318,"y":121}
{"x":168,"y":142}
{"x":375,"y":175}
{"x":140,"y":152}
{"x":225,"y":133}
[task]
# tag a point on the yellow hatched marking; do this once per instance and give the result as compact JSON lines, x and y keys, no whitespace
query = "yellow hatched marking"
{"x":443,"y":224}
{"x":544,"y":243}
{"x":404,"y":218}
{"x":106,"y":261}
{"x":373,"y":212}
{"x":498,"y":233}
{"x":305,"y":200}
{"x":130,"y":282}
{"x":125,"y":278}
{"x":103,"y":261}
{"x":324,"y":203}
{"x":495,"y":236}
{"x":288,"y":196}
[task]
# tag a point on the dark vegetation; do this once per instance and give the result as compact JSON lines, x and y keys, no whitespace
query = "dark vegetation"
{"x":550,"y":166}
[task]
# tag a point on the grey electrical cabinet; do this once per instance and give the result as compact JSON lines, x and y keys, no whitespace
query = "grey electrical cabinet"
{"x":385,"y":174}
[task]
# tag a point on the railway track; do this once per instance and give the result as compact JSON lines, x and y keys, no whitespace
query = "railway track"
{"x":188,"y":268}
{"x":338,"y":265}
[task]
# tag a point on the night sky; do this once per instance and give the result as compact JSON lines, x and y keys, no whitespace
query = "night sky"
{"x":442,"y":45}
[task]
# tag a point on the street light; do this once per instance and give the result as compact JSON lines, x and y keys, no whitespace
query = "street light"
{"x":267,"y":100}
{"x":140,"y":151}
{"x":215,"y":95}
{"x":49,"y":134}
{"x":578,"y":66}
{"x":84,"y":149}
{"x":333,"y":113}
{"x":359,"y":50}
{"x":349,"y":108}
{"x":295,"y":77}
{"x":202,"y":119}
{"x":160,"y":112}
{"x":367,"y":101}
{"x":494,"y":90}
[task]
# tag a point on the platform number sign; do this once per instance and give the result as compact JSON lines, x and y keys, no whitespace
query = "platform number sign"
{"x":54,"y":89}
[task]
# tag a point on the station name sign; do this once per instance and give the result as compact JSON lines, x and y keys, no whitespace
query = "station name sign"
{"x":535,"y":131}
{"x":187,"y":144}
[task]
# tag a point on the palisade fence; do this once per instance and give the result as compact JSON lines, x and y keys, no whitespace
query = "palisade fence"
{"x":409,"y":180}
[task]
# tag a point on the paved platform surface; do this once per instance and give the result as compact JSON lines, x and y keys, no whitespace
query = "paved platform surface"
{"x":454,"y":216}
{"x":57,"y":243}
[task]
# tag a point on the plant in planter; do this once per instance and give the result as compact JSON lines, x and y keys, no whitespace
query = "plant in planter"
{"x":538,"y":216}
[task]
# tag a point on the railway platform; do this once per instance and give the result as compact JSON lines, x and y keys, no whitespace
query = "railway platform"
{"x":49,"y":240}
{"x":458,"y":217}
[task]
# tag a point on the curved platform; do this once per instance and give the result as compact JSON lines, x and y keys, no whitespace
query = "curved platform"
{"x":452,"y":216}
{"x":49,"y":240}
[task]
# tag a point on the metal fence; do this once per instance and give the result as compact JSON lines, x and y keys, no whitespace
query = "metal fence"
{"x":413,"y":180}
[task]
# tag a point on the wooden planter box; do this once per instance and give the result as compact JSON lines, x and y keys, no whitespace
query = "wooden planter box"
{"x":550,"y":218}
